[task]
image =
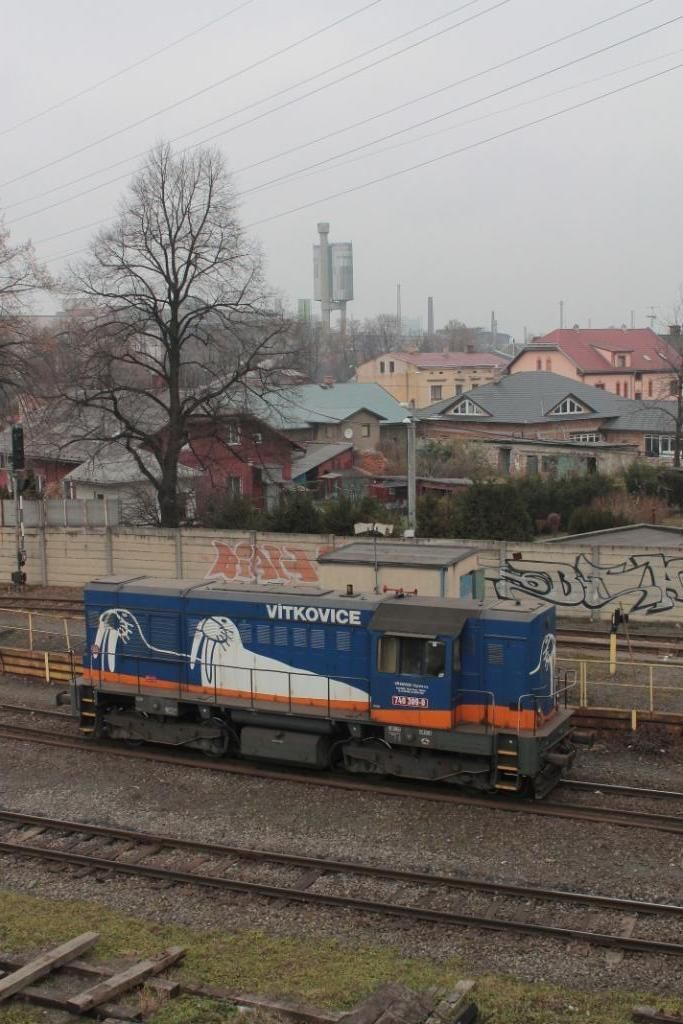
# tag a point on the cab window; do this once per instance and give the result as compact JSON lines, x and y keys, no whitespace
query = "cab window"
{"x":411,"y":656}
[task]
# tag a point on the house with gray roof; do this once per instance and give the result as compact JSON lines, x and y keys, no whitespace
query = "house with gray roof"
{"x":329,"y":413}
{"x":544,"y":423}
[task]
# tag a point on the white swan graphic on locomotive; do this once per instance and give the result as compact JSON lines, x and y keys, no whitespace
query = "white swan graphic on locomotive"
{"x":223,"y":660}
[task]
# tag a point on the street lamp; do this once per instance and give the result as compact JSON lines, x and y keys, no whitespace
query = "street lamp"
{"x":410,"y":424}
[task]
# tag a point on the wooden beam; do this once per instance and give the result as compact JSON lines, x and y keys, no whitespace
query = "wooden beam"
{"x":46,"y":962}
{"x":125,"y":980}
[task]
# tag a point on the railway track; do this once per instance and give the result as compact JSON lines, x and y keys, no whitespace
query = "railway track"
{"x":69,"y":606}
{"x":650,"y":821}
{"x":652,"y":644}
{"x":316,"y":881}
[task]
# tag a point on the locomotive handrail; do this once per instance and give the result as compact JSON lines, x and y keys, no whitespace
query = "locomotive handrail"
{"x":536,"y":698}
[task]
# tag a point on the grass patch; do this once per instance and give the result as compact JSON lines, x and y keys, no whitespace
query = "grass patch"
{"x":322,"y":972}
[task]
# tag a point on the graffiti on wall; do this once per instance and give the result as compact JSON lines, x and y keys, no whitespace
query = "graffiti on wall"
{"x":648,"y":583}
{"x":244,"y":562}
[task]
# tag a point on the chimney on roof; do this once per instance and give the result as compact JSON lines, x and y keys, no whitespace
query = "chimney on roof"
{"x":675,"y":330}
{"x":328,"y":382}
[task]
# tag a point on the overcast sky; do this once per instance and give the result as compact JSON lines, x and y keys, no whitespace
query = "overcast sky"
{"x":585,"y":207}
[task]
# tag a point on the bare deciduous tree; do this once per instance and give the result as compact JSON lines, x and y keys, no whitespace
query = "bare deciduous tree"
{"x":170,"y":316}
{"x":21,"y":276}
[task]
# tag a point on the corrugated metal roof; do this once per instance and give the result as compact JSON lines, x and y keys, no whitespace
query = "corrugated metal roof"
{"x":316,"y":455}
{"x":404,"y":555}
{"x":638,"y":535}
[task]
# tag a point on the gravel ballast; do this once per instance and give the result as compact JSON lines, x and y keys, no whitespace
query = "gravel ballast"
{"x":404,"y":833}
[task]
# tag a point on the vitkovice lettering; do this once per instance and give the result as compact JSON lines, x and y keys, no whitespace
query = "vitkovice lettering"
{"x":300,"y":613}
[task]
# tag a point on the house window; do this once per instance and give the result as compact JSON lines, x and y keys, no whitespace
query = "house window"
{"x":548,"y":365}
{"x":585,"y":438}
{"x":672,"y":387}
{"x":549,"y":465}
{"x":660,"y":444}
{"x":365,"y":430}
{"x":257,"y":438}
{"x":467,"y":408}
{"x":618,"y":388}
{"x":234,"y":486}
{"x":391,"y":366}
{"x":539,"y":364}
{"x":411,"y":656}
{"x":381,"y":366}
{"x":600,"y":385}
{"x":458,"y":389}
{"x":620,"y":360}
{"x":568,"y":406}
{"x":639,"y":376}
{"x":532,"y":465}
{"x":233,"y":433}
{"x":625,"y":389}
{"x":649,"y":389}
{"x":435,"y":392}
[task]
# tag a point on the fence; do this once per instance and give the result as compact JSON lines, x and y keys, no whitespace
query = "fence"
{"x":62,"y":512}
{"x":40,"y":631}
{"x":635,"y":686}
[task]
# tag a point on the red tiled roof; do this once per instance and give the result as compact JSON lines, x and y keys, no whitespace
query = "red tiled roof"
{"x":647,"y":350}
{"x":448,"y":360}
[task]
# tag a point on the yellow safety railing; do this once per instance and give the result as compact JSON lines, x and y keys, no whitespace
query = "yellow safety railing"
{"x":635,"y":685}
{"x":39,"y":629}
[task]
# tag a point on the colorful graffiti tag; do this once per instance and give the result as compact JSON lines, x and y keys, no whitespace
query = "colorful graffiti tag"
{"x":654,"y":584}
{"x":244,"y":562}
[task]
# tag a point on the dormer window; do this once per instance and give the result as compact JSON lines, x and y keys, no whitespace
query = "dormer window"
{"x":567,"y":407}
{"x":467,"y":408}
{"x":620,"y":359}
{"x":233,"y":433}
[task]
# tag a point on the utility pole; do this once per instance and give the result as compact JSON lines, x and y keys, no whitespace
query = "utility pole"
{"x":412,"y":474}
{"x":494,"y":330}
{"x":18,"y":464}
{"x":430,"y":317}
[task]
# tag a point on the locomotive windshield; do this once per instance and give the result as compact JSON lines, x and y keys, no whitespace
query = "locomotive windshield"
{"x":411,"y":656}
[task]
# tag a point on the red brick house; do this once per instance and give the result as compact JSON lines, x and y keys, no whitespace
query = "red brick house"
{"x":241,"y":455}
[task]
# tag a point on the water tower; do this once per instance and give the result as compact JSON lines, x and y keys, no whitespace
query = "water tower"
{"x":332,"y":276}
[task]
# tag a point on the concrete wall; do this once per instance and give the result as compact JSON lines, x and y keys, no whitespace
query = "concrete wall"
{"x":581,"y":582}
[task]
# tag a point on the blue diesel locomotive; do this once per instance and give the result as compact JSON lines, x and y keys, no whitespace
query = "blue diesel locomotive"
{"x":457,"y":691}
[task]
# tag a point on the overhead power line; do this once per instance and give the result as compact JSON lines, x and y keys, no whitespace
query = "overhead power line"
{"x":124,"y":71}
{"x":432,"y":135}
{"x":373,"y":117}
{"x":445,"y":88}
{"x":463,"y":106}
{"x":462,"y":149}
{"x":437,"y":159}
{"x":191,"y":96}
{"x":275,"y":95}
{"x":459,"y":124}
